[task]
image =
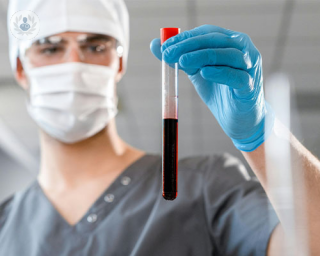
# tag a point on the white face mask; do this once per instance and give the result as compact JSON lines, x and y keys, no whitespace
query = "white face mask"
{"x":72,"y":101}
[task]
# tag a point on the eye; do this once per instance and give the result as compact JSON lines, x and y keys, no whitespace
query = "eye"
{"x":50,"y":50}
{"x":96,"y":48}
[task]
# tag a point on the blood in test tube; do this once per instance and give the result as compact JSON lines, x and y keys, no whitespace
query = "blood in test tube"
{"x":170,"y":159}
{"x":170,"y":123}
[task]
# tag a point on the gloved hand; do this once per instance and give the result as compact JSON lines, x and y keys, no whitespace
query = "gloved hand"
{"x":226,"y":70}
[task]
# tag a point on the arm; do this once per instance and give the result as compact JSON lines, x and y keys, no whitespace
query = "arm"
{"x":226,"y":70}
{"x":305,"y":166}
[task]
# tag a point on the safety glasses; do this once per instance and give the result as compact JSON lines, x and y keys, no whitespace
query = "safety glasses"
{"x":89,"y":48}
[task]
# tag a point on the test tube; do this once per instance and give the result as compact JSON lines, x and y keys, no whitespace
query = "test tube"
{"x":170,"y":123}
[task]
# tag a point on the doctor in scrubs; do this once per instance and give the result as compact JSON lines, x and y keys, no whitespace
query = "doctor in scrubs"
{"x":97,"y":195}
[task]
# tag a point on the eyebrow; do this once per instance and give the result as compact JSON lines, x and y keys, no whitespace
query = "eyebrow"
{"x":97,"y":37}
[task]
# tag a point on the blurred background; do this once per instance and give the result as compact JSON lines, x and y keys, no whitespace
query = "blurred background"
{"x":286,"y":32}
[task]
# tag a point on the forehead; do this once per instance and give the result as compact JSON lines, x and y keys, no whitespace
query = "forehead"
{"x":77,"y":36}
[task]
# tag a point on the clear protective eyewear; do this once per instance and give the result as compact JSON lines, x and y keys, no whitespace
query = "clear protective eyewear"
{"x":90,"y":48}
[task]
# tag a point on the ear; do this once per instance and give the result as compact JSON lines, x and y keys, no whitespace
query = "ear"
{"x":120,"y":70}
{"x":20,"y":75}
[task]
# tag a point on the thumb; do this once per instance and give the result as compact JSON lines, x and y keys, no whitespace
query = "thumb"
{"x":155,"y":47}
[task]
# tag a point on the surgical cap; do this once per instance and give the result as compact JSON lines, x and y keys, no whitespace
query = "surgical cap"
{"x":108,"y":17}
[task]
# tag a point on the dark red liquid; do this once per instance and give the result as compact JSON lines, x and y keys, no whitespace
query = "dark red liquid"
{"x":170,"y":159}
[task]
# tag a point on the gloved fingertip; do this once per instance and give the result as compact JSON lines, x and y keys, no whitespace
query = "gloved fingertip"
{"x":167,"y":44}
{"x":203,"y":72}
{"x":165,"y":58}
{"x":191,"y":71}
{"x":166,"y":55}
{"x":181,"y":63}
{"x":188,"y":61}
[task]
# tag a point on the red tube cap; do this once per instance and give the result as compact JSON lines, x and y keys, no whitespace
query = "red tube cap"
{"x":166,"y":33}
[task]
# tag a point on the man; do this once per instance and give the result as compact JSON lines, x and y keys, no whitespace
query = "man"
{"x":97,"y":195}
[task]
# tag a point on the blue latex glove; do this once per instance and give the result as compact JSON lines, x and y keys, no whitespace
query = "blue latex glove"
{"x":226,"y":70}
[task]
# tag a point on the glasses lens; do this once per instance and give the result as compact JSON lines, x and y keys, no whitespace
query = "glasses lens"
{"x":96,"y":50}
{"x":45,"y":52}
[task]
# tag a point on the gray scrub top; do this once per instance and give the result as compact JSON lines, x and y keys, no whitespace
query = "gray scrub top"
{"x":219,"y":211}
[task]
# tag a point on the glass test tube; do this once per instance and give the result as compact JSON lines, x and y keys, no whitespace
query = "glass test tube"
{"x":170,"y":123}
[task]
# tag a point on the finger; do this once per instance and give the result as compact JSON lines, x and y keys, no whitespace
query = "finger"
{"x":212,"y":40}
{"x":155,"y":49}
{"x":202,"y":30}
{"x":235,"y":78}
{"x":230,"y":57}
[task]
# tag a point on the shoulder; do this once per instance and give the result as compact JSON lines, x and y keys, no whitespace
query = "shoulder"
{"x":13,"y":203}
{"x":5,"y":207}
{"x":215,"y":165}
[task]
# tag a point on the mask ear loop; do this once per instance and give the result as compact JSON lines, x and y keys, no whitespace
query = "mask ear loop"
{"x":119,"y":49}
{"x":22,"y":49}
{"x":26,"y":66}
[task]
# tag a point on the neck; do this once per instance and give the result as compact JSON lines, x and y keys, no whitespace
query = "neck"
{"x":69,"y":165}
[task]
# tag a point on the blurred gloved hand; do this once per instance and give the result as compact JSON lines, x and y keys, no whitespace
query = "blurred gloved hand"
{"x":226,"y":70}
